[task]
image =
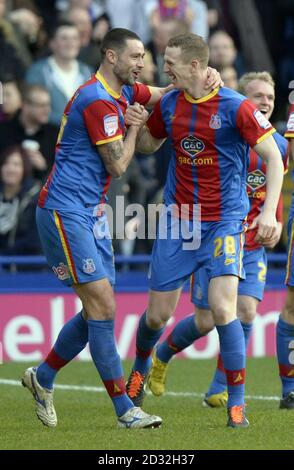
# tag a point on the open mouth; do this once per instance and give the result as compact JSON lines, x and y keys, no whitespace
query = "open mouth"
{"x":172,"y":77}
{"x":264,"y":111}
{"x":136,"y":75}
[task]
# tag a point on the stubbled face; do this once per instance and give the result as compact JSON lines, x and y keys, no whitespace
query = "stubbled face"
{"x":130,"y":62}
{"x":12,"y":171}
{"x":262,"y":94}
{"x":176,"y":69}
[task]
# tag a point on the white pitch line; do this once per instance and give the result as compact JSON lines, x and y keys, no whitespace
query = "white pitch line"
{"x":88,"y":388}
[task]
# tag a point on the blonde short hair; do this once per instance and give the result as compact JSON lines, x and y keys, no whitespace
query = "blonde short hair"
{"x":192,"y":47}
{"x":250,"y":76}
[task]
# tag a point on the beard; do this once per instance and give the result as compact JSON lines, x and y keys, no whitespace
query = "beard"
{"x":123,"y":76}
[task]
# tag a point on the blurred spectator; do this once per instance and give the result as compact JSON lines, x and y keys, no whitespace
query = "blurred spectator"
{"x":11,"y":99}
{"x":223,"y":52}
{"x":95,"y":7}
{"x":176,"y":9}
{"x":100,"y":27}
{"x":193,"y":12}
{"x":31,"y":123}
{"x":252,"y":41}
{"x":229,"y":77}
{"x":147,"y":74}
{"x":81,"y":18}
{"x":200,"y":18}
{"x":18,"y":199}
{"x":90,"y":50}
{"x":48,"y":12}
{"x":147,"y":163}
{"x":11,"y":64}
{"x":131,"y":14}
{"x":161,"y":34}
{"x":61,"y":73}
{"x":28,"y":24}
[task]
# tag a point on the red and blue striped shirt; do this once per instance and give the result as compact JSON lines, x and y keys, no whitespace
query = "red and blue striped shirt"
{"x":210,"y":139}
{"x":95,"y":115}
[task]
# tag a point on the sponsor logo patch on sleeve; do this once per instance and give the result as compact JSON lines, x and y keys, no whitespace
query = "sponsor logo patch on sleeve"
{"x":261,"y":119}
{"x":110,"y":123}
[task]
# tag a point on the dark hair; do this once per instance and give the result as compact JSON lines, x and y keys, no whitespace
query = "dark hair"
{"x":27,"y":167}
{"x":116,"y":39}
{"x":61,"y":24}
{"x":192,"y":47}
{"x":27,"y":90}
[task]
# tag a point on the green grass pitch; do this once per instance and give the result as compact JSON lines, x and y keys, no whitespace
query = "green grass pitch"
{"x":87,"y":420}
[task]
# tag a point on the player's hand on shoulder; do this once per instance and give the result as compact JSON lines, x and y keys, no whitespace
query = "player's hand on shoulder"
{"x":213,"y":79}
{"x":136,"y":115}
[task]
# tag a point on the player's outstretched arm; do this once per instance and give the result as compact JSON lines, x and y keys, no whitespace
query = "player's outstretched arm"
{"x":213,"y":81}
{"x":146,"y":143}
{"x":157,"y":93}
{"x":266,"y":221}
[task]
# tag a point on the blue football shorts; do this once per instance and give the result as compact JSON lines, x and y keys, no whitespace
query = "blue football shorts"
{"x":255,"y":267}
{"x":78,"y":247}
{"x":219,"y":249}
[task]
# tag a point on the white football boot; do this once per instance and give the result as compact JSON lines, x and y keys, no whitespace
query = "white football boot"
{"x":43,"y":398}
{"x":137,"y":418}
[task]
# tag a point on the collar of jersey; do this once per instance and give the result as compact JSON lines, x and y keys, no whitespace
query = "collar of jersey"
{"x":107,"y":87}
{"x":201,"y":100}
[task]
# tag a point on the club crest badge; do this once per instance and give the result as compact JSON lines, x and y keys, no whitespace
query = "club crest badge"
{"x":89,"y":266}
{"x":215,"y":121}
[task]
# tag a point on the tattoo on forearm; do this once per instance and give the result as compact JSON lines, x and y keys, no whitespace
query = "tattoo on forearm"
{"x":112,"y":151}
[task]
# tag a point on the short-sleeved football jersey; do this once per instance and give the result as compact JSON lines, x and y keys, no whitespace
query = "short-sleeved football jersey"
{"x":210,"y":139}
{"x":95,"y":115}
{"x":256,"y":186}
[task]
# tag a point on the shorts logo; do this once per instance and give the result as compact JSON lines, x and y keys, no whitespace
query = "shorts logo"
{"x":229,"y":261}
{"x":192,"y":146}
{"x":110,"y":122}
{"x":61,"y":271}
{"x":89,"y":266}
{"x":261,"y":119}
{"x":215,"y":121}
{"x":256,"y":179}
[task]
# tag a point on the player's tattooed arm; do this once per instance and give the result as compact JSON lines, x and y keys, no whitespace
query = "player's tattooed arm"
{"x":118,"y":154}
{"x":146,"y":143}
